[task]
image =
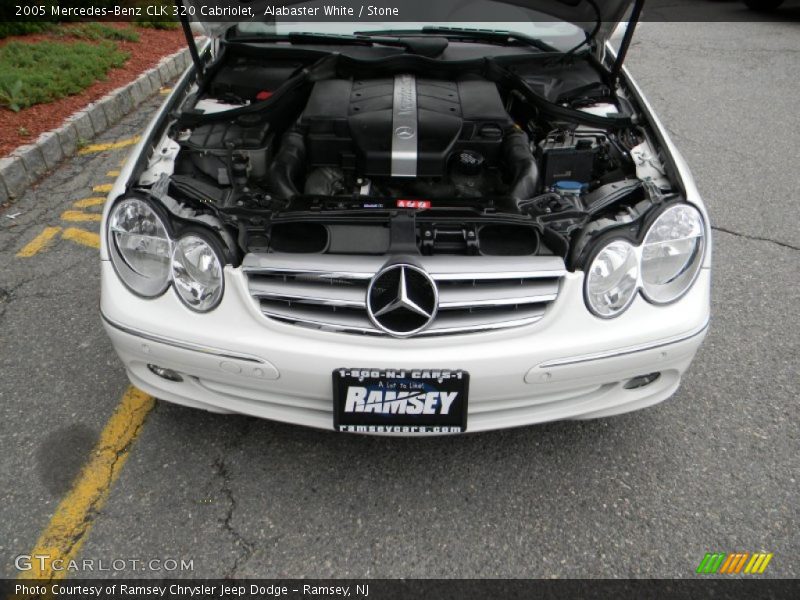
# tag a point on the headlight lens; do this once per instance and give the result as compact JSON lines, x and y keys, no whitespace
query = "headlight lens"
{"x":140,"y":247}
{"x":672,"y":253}
{"x":612,"y":279}
{"x":197,"y":273}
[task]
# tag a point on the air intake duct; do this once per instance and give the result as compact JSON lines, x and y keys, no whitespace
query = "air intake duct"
{"x":523,"y":171}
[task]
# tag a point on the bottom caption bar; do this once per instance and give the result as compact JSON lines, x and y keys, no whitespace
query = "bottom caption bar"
{"x":389,"y":589}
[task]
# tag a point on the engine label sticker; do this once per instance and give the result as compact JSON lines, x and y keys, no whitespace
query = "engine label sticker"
{"x":413,"y":204}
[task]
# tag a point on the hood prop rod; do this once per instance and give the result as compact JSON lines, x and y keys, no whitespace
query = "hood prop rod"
{"x":187,"y":32}
{"x":636,"y":13}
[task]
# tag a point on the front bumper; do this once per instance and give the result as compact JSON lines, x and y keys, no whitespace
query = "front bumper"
{"x":569,"y":365}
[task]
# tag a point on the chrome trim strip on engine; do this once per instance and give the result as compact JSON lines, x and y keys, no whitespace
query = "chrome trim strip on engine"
{"x":180,"y":344}
{"x":560,"y":362}
{"x":404,"y":126}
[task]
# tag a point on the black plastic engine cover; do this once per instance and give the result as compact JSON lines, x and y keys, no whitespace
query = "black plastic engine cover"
{"x":350,"y":123}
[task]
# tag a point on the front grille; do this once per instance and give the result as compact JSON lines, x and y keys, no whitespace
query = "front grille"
{"x":476,"y":293}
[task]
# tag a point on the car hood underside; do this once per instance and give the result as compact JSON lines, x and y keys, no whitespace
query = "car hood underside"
{"x":583,"y":13}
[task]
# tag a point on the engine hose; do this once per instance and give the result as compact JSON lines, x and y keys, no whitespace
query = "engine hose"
{"x":524,"y":173}
{"x":288,"y":165}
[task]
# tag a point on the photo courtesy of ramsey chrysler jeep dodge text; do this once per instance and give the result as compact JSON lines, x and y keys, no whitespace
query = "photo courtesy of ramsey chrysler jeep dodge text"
{"x":409,"y":228}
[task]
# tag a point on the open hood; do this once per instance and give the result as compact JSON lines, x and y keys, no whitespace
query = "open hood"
{"x":583,"y":13}
{"x":598,"y":18}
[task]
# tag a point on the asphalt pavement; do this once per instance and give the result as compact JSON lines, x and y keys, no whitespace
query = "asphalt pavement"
{"x":714,"y":469}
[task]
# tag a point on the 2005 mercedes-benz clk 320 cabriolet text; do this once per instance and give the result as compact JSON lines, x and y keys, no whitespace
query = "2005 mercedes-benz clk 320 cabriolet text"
{"x":409,"y":229}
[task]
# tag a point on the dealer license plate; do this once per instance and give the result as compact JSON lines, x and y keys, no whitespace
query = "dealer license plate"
{"x":417,"y":401}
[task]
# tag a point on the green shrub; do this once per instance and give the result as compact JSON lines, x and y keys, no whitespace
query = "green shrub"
{"x":10,"y":25}
{"x":97,"y":31}
{"x":9,"y":28}
{"x":156,"y":22}
{"x":46,"y":71}
{"x":11,"y":95}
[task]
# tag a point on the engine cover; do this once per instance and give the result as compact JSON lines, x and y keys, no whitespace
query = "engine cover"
{"x":402,"y":126}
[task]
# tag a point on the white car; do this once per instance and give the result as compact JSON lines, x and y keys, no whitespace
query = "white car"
{"x":408,"y":228}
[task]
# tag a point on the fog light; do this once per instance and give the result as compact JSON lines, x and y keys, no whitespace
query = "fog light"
{"x":167,"y":374}
{"x":641,"y":381}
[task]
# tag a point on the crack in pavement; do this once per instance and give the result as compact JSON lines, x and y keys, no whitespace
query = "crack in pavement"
{"x":5,"y":300}
{"x":98,"y":501}
{"x":755,"y":238}
{"x":221,"y":471}
{"x":9,"y":294}
{"x":75,"y":515}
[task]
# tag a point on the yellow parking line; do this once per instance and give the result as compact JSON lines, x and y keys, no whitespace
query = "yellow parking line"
{"x":95,"y":148}
{"x":74,"y":517}
{"x":103,"y":188}
{"x":78,"y":216}
{"x":81,"y":236}
{"x":86,"y":202}
{"x":39,"y":242}
{"x":112,"y":174}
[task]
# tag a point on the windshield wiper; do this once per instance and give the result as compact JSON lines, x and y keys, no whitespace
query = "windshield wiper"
{"x":309,"y":38}
{"x":421,"y":46}
{"x":589,"y":38}
{"x":489,"y":36}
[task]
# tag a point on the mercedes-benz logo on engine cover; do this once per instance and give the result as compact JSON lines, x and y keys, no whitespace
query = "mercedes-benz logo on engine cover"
{"x":405,"y":132}
{"x":402,"y":300}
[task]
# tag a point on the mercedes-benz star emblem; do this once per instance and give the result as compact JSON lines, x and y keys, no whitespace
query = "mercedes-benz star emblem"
{"x":404,"y":132}
{"x":402,"y":300}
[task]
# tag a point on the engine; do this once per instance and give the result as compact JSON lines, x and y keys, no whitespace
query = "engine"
{"x":403,"y":126}
{"x":324,"y":167}
{"x":404,"y":135}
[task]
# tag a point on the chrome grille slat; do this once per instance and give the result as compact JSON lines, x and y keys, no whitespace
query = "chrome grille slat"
{"x":459,"y":323}
{"x":524,"y":292}
{"x":307,"y":315}
{"x":476,"y":293}
{"x":440,"y":267}
{"x":310,"y":293}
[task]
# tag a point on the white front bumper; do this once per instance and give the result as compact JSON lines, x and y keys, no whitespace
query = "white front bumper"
{"x":569,"y":365}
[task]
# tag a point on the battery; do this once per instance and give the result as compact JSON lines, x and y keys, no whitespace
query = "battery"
{"x":567,"y":157}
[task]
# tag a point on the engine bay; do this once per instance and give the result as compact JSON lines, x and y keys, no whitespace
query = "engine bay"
{"x":406,"y":154}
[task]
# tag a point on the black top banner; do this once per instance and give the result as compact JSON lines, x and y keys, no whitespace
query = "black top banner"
{"x":370,"y":11}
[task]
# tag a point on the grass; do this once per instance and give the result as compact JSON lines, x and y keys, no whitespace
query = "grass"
{"x":35,"y":73}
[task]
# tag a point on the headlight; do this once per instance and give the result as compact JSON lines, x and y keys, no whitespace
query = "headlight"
{"x":672,"y":253}
{"x":140,"y":247}
{"x":612,"y":280}
{"x":197,"y":273}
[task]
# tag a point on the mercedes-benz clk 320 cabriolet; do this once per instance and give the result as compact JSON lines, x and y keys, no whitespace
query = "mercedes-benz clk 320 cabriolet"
{"x":409,"y":228}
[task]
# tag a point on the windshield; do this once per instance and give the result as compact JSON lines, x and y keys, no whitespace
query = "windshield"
{"x":561,"y":36}
{"x":469,"y":14}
